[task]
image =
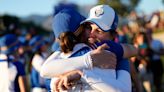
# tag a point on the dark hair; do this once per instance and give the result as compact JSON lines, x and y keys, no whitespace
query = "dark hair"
{"x":144,"y":37}
{"x":113,"y":34}
{"x":67,"y":41}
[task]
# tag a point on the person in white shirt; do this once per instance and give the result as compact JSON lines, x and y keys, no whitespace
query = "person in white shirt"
{"x":101,"y":79}
{"x":13,"y":74}
{"x":40,"y":48}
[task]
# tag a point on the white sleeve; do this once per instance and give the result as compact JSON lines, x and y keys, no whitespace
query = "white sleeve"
{"x":125,"y":80}
{"x":53,"y":83}
{"x":4,"y":79}
{"x":120,"y":84}
{"x":54,"y":66}
{"x":37,"y":62}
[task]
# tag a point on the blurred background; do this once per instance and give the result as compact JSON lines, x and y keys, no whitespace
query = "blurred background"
{"x":141,"y":22}
{"x":39,"y":12}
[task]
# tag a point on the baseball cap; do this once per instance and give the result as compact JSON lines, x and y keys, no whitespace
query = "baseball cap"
{"x":37,"y":42}
{"x":62,"y":6}
{"x":104,"y":17}
{"x":9,"y":43}
{"x":66,"y":20}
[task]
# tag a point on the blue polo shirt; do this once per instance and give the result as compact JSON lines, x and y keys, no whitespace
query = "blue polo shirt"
{"x":117,"y":49}
{"x":21,"y":72}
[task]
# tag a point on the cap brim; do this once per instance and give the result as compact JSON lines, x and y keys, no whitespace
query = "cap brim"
{"x":98,"y":23}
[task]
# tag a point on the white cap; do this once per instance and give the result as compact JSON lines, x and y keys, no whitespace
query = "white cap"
{"x":103,"y":16}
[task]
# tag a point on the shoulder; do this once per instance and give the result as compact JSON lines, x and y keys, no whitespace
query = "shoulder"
{"x":156,"y":44}
{"x":17,"y":63}
{"x":36,"y":57}
{"x":80,"y":46}
{"x":55,"y":54}
{"x":80,"y":49}
{"x":20,"y":67}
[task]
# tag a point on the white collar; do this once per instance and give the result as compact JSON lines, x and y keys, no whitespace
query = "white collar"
{"x":76,"y":48}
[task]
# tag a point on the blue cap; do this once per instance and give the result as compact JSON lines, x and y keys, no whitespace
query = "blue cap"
{"x":10,"y":42}
{"x":62,"y":6}
{"x":34,"y":40}
{"x":37,"y":42}
{"x":66,"y":20}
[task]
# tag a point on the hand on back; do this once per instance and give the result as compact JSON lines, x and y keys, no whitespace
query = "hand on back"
{"x":102,"y":58}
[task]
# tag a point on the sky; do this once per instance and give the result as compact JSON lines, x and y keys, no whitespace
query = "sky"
{"x":148,"y":6}
{"x":24,"y":8}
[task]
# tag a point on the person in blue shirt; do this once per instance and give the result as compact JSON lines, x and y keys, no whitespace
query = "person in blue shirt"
{"x":15,"y":73}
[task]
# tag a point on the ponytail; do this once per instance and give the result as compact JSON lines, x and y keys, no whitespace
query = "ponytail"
{"x":67,"y":41}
